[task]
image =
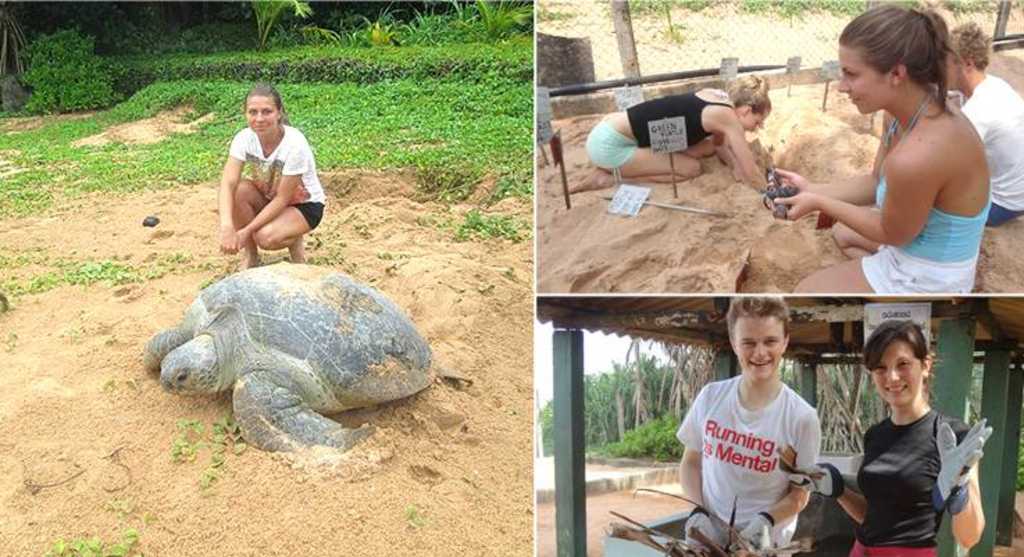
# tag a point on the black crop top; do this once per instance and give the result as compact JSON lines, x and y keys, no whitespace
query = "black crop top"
{"x":689,"y":105}
{"x":901,"y":465}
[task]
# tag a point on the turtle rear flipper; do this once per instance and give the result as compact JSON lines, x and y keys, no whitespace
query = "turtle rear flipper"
{"x":273,"y":416}
{"x":161,"y":345}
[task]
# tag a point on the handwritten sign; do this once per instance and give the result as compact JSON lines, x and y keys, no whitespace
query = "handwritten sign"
{"x":668,"y":134}
{"x":830,"y":70}
{"x":628,"y":200}
{"x":875,"y":314}
{"x":626,"y":97}
{"x":543,"y":104}
{"x":793,"y":65}
{"x":728,"y":69}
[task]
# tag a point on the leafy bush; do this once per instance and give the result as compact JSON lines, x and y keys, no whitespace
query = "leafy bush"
{"x":655,"y":439}
{"x":513,"y":60}
{"x":66,"y":75}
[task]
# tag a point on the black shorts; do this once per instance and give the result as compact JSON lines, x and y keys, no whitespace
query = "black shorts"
{"x":312,"y":212}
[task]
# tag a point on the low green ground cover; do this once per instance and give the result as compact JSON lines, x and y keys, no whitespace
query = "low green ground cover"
{"x":453,"y":132}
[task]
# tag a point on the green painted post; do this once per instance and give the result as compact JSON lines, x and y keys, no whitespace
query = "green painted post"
{"x":1011,"y":444}
{"x":994,"y":393}
{"x":809,"y":382}
{"x":952,"y":385}
{"x":724,"y":364}
{"x":570,"y":473}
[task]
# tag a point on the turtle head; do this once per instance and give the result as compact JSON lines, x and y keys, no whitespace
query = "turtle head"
{"x":193,"y":368}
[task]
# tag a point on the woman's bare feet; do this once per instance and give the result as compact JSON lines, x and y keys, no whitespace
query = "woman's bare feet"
{"x":598,"y":179}
{"x":297,"y":251}
{"x":251,"y":259}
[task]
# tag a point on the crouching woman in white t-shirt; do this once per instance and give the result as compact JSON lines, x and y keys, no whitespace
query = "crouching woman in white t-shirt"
{"x":281,"y":198}
{"x":735,"y":429}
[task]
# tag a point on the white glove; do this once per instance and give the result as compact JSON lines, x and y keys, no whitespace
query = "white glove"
{"x":957,"y":461}
{"x":758,"y":532}
{"x":699,"y":520}
{"x":824,"y":479}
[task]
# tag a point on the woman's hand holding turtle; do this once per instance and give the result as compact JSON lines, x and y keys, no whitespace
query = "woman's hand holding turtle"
{"x":800,"y":204}
{"x":950,"y":490}
{"x":793,"y":179}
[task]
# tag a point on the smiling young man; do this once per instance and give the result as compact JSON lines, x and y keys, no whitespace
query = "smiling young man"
{"x":736,"y":427}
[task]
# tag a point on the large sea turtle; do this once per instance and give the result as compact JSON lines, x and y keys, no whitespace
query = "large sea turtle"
{"x":293,"y":341}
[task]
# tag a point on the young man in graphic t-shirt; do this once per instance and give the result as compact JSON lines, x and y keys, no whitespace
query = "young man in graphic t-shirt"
{"x":736,"y":427}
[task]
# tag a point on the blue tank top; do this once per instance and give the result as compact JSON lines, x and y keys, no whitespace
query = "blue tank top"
{"x":946,"y":237}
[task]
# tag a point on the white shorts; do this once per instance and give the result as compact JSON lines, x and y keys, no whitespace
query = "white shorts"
{"x":893,"y":271}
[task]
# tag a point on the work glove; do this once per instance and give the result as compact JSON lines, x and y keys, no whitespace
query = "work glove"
{"x":758,"y":531}
{"x":822,"y":478}
{"x":700,"y":520}
{"x":950,"y":491}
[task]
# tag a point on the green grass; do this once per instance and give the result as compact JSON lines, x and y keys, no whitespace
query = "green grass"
{"x":192,"y":438}
{"x":95,"y":547}
{"x":453,"y":132}
{"x":65,"y":271}
{"x":481,"y":226}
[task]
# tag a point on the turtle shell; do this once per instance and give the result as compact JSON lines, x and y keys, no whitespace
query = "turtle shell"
{"x":356,"y":342}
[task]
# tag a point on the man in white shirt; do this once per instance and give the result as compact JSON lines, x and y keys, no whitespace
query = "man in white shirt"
{"x":736,"y":428}
{"x":997,"y":112}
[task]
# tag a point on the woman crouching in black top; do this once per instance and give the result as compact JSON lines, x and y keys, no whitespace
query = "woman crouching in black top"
{"x":917,"y":464}
{"x":716,"y":122}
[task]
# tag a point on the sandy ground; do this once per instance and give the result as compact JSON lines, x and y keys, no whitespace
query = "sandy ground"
{"x":701,"y":39}
{"x":86,"y":433}
{"x":587,"y":250}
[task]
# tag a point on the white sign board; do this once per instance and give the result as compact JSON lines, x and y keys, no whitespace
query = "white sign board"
{"x":626,"y":97}
{"x":544,"y":131}
{"x":543,"y":104}
{"x":668,"y":135}
{"x":793,"y":65}
{"x":830,"y":70}
{"x":875,"y":314}
{"x":729,"y":68}
{"x":628,"y":200}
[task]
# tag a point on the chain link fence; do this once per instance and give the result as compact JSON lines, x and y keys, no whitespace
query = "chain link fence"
{"x":681,"y":35}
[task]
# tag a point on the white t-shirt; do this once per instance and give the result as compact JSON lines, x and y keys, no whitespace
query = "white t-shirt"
{"x":293,"y":157}
{"x":997,"y":112}
{"x":739,"y":450}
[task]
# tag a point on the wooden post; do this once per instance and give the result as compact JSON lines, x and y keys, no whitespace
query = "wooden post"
{"x":994,"y":393}
{"x":624,"y":35}
{"x":952,"y":387}
{"x":1002,"y":16}
{"x":725,"y":363}
{"x":1011,"y":443}
{"x":809,"y":382}
{"x":570,"y":478}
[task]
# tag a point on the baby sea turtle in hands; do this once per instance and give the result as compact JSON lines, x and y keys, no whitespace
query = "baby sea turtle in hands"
{"x":775,"y":190}
{"x":293,"y":342}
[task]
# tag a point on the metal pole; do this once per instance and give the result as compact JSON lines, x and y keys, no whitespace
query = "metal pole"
{"x":1002,"y":16}
{"x":672,"y":165}
{"x":570,"y":480}
{"x":824,"y":99}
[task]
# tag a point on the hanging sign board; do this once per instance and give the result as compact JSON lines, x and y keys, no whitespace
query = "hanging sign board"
{"x":793,"y":65}
{"x":628,"y":200}
{"x":728,"y":69}
{"x":626,"y":97}
{"x":875,"y":314}
{"x":830,"y":70}
{"x":668,"y":135}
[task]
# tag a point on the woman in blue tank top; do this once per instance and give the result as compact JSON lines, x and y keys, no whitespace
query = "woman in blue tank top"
{"x":930,"y":183}
{"x":716,"y":123}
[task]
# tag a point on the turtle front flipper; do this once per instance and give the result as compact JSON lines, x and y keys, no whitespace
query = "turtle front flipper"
{"x":161,"y":345}
{"x":273,"y":416}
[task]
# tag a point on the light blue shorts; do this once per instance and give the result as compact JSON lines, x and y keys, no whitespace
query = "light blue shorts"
{"x":608,"y":148}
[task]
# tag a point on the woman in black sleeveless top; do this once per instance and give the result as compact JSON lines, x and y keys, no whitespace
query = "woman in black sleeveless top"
{"x":716,"y":123}
{"x":918,"y":464}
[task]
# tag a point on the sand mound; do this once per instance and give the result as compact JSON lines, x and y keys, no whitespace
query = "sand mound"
{"x":149,"y":130}
{"x":86,"y":433}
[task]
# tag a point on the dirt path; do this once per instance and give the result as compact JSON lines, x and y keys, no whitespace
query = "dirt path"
{"x":447,"y":472}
